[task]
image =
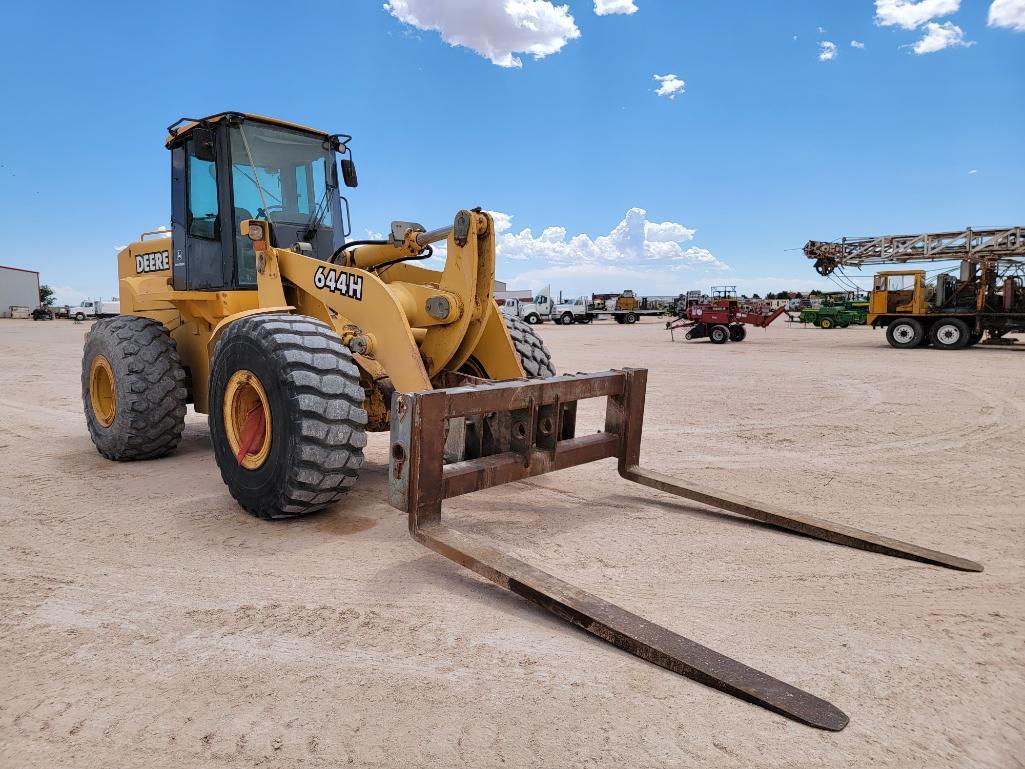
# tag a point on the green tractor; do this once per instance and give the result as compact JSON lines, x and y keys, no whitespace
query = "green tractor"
{"x":836,"y":314}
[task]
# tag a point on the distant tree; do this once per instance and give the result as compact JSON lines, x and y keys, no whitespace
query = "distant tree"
{"x":755,"y":296}
{"x":46,"y":296}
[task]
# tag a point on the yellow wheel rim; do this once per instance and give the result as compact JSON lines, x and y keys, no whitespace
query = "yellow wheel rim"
{"x":243,"y":394}
{"x":102,"y":393}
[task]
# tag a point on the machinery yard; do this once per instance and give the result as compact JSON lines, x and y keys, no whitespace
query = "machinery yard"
{"x":145,"y":614}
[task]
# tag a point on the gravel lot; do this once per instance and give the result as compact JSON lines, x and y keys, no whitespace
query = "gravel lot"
{"x":145,"y":620}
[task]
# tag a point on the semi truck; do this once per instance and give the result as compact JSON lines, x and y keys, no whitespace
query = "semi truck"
{"x":625,"y":307}
{"x":96,"y":308}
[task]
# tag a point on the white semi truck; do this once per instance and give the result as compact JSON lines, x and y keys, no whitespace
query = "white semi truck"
{"x":542,"y":307}
{"x":96,"y":308}
{"x":624,"y":308}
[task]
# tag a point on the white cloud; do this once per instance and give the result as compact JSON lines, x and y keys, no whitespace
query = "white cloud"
{"x":634,"y":244}
{"x":669,"y":85}
{"x":857,"y":44}
{"x":821,"y":30}
{"x":827,"y":50}
{"x":910,"y":14}
{"x":973,"y":172}
{"x":1008,"y":13}
{"x":502,"y":221}
{"x":940,"y":36}
{"x":606,"y":7}
{"x":496,"y":29}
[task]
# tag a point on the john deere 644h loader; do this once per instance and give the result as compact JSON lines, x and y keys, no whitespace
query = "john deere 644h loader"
{"x":296,"y":341}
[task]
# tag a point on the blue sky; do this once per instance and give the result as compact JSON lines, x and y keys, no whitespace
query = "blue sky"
{"x":768,"y":144}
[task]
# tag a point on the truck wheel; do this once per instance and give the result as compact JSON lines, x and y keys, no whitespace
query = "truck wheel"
{"x":737,"y":333}
{"x":534,"y":356}
{"x":286,"y":414}
{"x":533,"y":319}
{"x":950,"y":334}
{"x":826,"y":323}
{"x":79,"y":316}
{"x":974,"y":338}
{"x":630,"y":318}
{"x":905,"y":333}
{"x":719,"y":334}
{"x":133,"y":389}
{"x":567,"y":319}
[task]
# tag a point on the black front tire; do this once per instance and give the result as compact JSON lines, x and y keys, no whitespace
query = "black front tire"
{"x":719,"y":334}
{"x":738,"y":333}
{"x":534,"y":356}
{"x":148,"y":407}
{"x":317,"y":421}
{"x":905,"y":333}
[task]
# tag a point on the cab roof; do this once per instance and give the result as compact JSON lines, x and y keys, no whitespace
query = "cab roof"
{"x":179,"y":129}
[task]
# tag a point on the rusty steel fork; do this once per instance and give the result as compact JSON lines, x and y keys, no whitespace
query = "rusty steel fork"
{"x":525,"y":428}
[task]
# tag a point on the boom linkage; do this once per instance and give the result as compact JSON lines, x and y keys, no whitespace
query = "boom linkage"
{"x":973,"y":245}
{"x":514,"y":430}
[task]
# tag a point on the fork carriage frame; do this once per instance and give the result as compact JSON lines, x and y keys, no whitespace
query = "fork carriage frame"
{"x":522,"y":428}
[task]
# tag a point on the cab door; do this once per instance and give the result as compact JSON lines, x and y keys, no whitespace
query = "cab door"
{"x":197,"y":226}
{"x":877,"y":301}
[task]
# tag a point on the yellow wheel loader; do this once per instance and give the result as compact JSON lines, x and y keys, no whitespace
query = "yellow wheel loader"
{"x":296,"y":341}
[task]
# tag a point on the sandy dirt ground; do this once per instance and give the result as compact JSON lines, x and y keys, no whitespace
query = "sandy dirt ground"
{"x":145,"y":620}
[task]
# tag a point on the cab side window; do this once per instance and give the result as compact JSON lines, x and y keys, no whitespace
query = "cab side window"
{"x":203,"y":214}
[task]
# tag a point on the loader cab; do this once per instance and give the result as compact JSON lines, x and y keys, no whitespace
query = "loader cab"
{"x":231,"y":167}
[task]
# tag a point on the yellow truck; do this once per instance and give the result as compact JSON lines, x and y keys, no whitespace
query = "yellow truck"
{"x":947,"y":312}
{"x":985,"y":299}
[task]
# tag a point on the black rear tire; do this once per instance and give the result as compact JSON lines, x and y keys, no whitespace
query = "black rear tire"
{"x":630,"y":318}
{"x":738,"y":333}
{"x":719,"y":334}
{"x":317,"y":426}
{"x":146,"y":415}
{"x":905,"y":333}
{"x":950,"y":334}
{"x":534,"y":356}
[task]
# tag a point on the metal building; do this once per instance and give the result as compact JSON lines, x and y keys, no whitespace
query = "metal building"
{"x":18,"y":288}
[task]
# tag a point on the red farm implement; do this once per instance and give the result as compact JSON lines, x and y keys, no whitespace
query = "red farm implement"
{"x":721,"y":319}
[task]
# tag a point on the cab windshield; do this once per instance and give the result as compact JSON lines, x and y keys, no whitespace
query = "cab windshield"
{"x":293,"y":169}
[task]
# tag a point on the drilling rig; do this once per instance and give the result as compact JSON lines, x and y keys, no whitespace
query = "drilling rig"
{"x":981,"y":300}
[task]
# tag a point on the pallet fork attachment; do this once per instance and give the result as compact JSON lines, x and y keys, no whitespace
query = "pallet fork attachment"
{"x":519,"y":429}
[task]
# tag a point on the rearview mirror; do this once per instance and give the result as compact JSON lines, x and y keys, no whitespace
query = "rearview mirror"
{"x":203,"y":142}
{"x":349,"y":172}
